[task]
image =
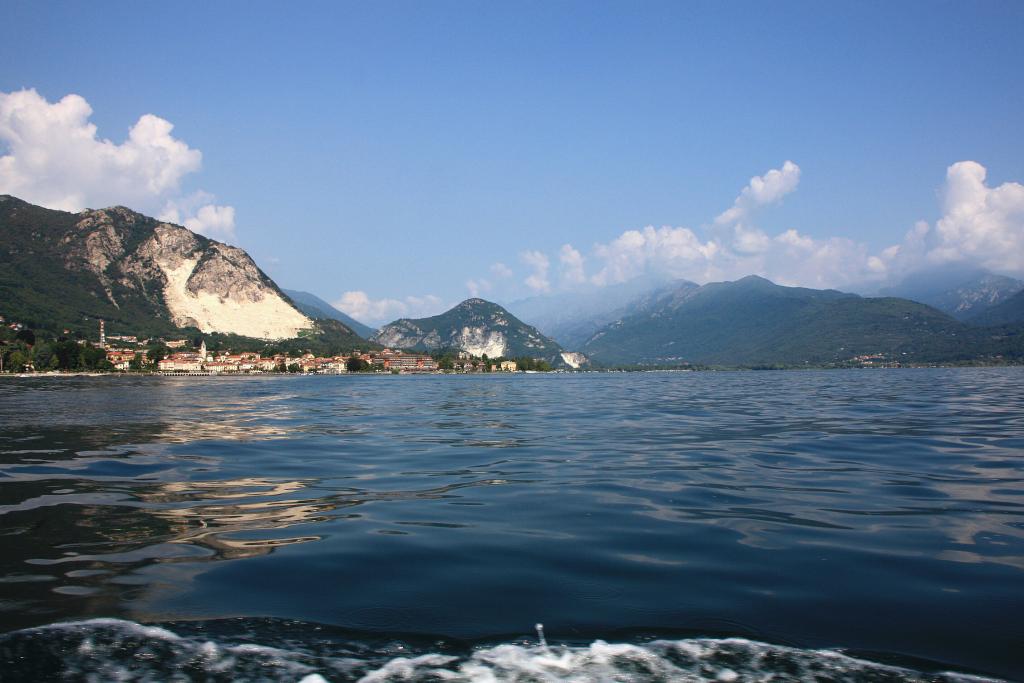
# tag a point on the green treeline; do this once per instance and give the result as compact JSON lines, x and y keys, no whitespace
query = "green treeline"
{"x":63,"y":354}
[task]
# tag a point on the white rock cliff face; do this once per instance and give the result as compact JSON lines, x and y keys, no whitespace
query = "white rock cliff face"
{"x":988,"y":291}
{"x":573,"y":359}
{"x":475,"y":340}
{"x":403,"y":334}
{"x":221,"y":290}
{"x":206,"y":284}
{"x":479,"y":341}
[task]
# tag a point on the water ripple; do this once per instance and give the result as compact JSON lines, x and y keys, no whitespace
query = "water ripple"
{"x":880,"y":510}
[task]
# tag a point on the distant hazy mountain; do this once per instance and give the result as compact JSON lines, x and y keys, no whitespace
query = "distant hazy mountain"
{"x":962,"y":291}
{"x":1008,"y":312}
{"x":755,"y":322}
{"x":477,"y":326}
{"x":315,"y":307}
{"x":573,"y":317}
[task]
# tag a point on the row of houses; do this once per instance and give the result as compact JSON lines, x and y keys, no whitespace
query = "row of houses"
{"x":402,"y":362}
{"x":386,"y":360}
{"x":201,"y":361}
{"x":411,"y":362}
{"x":187,"y":362}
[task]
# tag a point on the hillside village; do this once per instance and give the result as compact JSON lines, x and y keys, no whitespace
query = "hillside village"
{"x":21,"y":352}
{"x":200,"y":361}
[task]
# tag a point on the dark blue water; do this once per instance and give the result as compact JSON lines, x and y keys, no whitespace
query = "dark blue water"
{"x":354,"y":524}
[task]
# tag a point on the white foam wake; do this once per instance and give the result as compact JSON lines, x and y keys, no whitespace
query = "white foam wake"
{"x":115,"y":650}
{"x":703,"y":660}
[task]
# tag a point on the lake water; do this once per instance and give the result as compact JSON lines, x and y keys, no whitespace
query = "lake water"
{"x":662,"y":526}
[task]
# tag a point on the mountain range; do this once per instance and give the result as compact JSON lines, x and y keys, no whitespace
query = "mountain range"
{"x":754,"y":322}
{"x":61,"y":270}
{"x":963,"y":291}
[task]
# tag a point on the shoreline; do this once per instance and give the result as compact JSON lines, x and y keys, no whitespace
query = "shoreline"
{"x":39,"y":375}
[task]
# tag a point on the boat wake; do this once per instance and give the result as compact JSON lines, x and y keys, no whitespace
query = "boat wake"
{"x":116,"y":650}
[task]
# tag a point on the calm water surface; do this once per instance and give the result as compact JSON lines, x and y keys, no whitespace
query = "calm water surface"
{"x":361,"y":523}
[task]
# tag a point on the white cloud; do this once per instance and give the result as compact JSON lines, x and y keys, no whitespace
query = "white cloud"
{"x":572,"y":265}
{"x":678,"y":252}
{"x":55,"y":158}
{"x":217,"y":222}
{"x":750,"y":240}
{"x":773,"y":185}
{"x":674,"y":251}
{"x":500,"y":270}
{"x":762,"y":190}
{"x":478,"y":287}
{"x":378,"y":311}
{"x":733,"y":225}
{"x":214,"y":221}
{"x":980,"y":224}
{"x":794,"y":239}
{"x":540,"y":264}
{"x":795,"y":259}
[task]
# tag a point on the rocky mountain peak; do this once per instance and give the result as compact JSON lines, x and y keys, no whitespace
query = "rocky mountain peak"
{"x":144,"y":267}
{"x":476,"y":326}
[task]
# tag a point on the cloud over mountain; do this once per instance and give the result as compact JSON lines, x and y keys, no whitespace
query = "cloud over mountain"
{"x":980,"y":224}
{"x":55,"y":158}
{"x":52,"y":154}
{"x":762,"y":190}
{"x":360,"y":306}
{"x":572,"y":264}
{"x":539,"y":263}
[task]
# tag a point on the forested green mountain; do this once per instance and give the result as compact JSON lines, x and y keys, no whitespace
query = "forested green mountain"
{"x":62,"y":270}
{"x":476,"y":326}
{"x":43,"y":287}
{"x":753,"y":322}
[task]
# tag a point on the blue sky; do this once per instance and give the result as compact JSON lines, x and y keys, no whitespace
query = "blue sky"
{"x":400,"y":150}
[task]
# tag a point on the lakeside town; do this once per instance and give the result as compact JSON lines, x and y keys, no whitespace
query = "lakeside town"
{"x":200,"y":361}
{"x":21,"y":353}
{"x":180,"y":356}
